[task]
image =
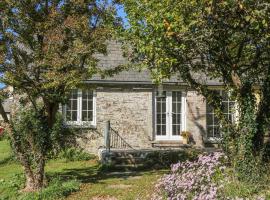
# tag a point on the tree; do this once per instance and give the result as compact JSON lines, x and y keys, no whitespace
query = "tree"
{"x":224,"y":40}
{"x":46,"y":48}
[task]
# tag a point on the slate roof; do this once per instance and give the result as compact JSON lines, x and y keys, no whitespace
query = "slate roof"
{"x":115,"y":57}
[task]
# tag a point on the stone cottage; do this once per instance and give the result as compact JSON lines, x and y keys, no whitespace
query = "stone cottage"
{"x":142,"y":115}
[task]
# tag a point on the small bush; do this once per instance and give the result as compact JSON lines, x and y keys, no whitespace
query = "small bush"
{"x":56,"y":189}
{"x":209,"y":177}
{"x":164,"y":159}
{"x":192,"y":180}
{"x":75,"y":154}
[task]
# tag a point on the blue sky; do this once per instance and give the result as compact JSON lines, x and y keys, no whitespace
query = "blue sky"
{"x":121,"y":13}
{"x":2,"y":85}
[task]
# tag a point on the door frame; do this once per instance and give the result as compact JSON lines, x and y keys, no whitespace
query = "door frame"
{"x":169,"y":135}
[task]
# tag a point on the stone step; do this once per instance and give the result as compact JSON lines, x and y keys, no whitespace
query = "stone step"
{"x":127,"y":160}
{"x":169,"y":144}
{"x":127,"y":167}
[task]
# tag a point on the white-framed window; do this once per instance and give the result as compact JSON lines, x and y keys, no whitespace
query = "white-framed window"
{"x":80,"y":109}
{"x":213,"y":127}
{"x":170,"y":118}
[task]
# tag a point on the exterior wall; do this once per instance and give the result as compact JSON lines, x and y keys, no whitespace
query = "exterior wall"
{"x":196,"y":117}
{"x":130,"y":113}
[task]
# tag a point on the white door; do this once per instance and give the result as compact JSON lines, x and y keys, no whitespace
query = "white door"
{"x":170,"y":115}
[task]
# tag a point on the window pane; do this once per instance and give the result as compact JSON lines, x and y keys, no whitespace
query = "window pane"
{"x":212,"y":122}
{"x":90,"y":105}
{"x":68,"y":115}
{"x":178,"y":119}
{"x":84,"y":116}
{"x":178,"y":109}
{"x":164,"y":106}
{"x":84,"y":94}
{"x":84,"y":105}
{"x":163,"y":118}
{"x":161,"y":115}
{"x":72,"y":107}
{"x":90,"y":115}
{"x":158,"y":119}
{"x":173,"y":107}
{"x":225,"y":107}
{"x":74,"y":116}
{"x":216,"y":131}
{"x":158,"y":107}
{"x":158,"y":129}
{"x":209,"y":131}
{"x":174,"y":129}
{"x":174,"y":118}
{"x":74,"y":104}
{"x":87,"y":105}
{"x":209,"y":119}
{"x":163,"y":130}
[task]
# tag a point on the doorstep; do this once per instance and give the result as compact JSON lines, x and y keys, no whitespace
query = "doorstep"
{"x":169,"y":144}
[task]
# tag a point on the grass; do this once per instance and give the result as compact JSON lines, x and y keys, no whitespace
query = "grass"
{"x":75,"y":180}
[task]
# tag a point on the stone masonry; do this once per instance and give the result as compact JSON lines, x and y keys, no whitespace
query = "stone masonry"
{"x":130,"y":112}
{"x":196,"y":117}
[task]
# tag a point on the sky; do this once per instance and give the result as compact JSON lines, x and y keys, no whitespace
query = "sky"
{"x":121,"y":13}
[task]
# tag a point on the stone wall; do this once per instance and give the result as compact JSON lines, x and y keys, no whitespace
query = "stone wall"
{"x":196,"y":117}
{"x":130,"y":113}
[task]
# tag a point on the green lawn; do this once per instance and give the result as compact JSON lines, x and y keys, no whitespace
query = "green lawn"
{"x":94,"y":184}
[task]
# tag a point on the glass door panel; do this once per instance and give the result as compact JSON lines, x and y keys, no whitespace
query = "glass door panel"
{"x":169,"y":115}
{"x":176,"y":112}
{"x":161,"y":115}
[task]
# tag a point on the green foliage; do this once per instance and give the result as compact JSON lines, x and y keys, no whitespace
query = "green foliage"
{"x":164,"y":159}
{"x":198,"y":41}
{"x":233,"y":187}
{"x":57,"y":188}
{"x":46,"y":49}
{"x":75,"y":154}
{"x":32,"y":134}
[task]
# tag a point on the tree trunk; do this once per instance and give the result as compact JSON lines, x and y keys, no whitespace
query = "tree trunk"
{"x":51,"y":109}
{"x":35,"y":180}
{"x":29,"y":182}
{"x":34,"y":177}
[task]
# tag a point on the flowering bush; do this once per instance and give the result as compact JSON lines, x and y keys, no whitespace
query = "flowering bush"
{"x":192,"y":180}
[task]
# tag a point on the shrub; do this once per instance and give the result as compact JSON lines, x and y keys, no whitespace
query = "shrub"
{"x":192,"y":180}
{"x":57,"y":188}
{"x":164,"y":159}
{"x":75,"y":154}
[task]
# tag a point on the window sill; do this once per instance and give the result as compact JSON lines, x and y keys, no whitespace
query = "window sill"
{"x":213,"y":140}
{"x":80,"y":125}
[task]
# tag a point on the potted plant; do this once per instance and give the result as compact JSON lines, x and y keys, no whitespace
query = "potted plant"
{"x":186,"y":136}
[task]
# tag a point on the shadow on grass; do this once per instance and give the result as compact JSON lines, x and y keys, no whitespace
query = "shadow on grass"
{"x":7,"y":160}
{"x":96,"y":174}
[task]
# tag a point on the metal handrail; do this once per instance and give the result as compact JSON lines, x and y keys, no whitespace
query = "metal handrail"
{"x":113,"y":139}
{"x":117,"y":141}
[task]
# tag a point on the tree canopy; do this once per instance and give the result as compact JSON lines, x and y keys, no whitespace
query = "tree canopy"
{"x":47,"y":47}
{"x":228,"y":41}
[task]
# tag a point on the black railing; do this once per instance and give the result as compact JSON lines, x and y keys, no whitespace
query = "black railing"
{"x":113,"y":140}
